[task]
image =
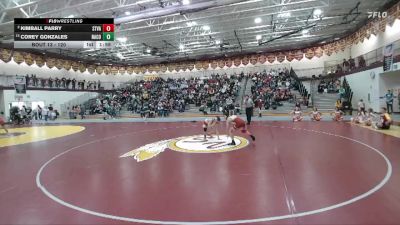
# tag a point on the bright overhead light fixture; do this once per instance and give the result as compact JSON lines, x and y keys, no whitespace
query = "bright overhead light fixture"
{"x":257,"y":20}
{"x":127,"y":13}
{"x":258,"y":37}
{"x":304,"y":32}
{"x":185,"y":2}
{"x":70,"y":16}
{"x":122,"y":39}
{"x":217,"y":42}
{"x":317,"y":13}
{"x":206,"y":27}
{"x":181,"y":46}
{"x":284,"y":15}
{"x":148,"y":50}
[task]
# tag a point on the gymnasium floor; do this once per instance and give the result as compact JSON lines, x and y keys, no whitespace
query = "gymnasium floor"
{"x":162,"y":173}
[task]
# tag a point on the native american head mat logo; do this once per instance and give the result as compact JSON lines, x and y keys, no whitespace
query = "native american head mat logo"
{"x":188,"y":144}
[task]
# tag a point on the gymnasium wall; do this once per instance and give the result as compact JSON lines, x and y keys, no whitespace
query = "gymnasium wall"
{"x":370,"y":89}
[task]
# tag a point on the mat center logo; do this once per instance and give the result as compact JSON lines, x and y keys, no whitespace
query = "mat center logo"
{"x":188,"y":144}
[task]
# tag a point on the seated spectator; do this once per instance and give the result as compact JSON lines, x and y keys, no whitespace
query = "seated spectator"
{"x":315,"y":115}
{"x":337,"y":115}
{"x":297,"y":114}
{"x":384,"y":120}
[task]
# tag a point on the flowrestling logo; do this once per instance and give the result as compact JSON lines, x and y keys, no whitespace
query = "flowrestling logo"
{"x":188,"y":144}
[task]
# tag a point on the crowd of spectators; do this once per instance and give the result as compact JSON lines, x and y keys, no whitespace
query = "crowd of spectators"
{"x":271,"y":88}
{"x":160,"y":97}
{"x":63,"y":83}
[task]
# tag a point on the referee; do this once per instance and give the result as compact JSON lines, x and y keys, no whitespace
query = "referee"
{"x":249,"y":105}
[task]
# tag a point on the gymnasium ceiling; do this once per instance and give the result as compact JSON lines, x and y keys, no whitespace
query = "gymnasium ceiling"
{"x":156,"y":31}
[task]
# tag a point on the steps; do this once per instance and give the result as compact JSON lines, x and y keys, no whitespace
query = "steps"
{"x":325,"y":101}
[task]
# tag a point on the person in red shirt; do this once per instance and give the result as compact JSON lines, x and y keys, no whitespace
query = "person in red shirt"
{"x":234,"y":123}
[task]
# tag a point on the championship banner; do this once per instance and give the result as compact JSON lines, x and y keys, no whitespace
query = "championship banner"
{"x":121,"y":69}
{"x":262,"y":59}
{"x":382,"y":25}
{"x":237,"y":61}
{"x":197,"y":64}
{"x":99,"y":69}
{"x":136,"y":70}
{"x":290,"y":55}
{"x":190,"y":65}
{"x":388,"y":57}
{"x":107,"y":70}
{"x":20,"y":84}
{"x":253,"y":59}
{"x":91,"y":69}
{"x":319,"y":52}
{"x":129,"y":70}
{"x":67,"y":65}
{"x":157,"y":68}
{"x":39,"y":60}
{"x":50,"y":62}
{"x":228,"y":62}
{"x":221,"y":63}
{"x":28,"y":59}
{"x":163,"y":68}
{"x":114,"y":70}
{"x":271,"y":58}
{"x":5,"y":55}
{"x":150,"y":68}
{"x":75,"y":67}
{"x":214,"y":64}
{"x":309,"y":53}
{"x":280,"y":57}
{"x":245,"y":60}
{"x":299,"y":55}
{"x":18,"y":57}
{"x":82,"y":67}
{"x":205,"y":65}
{"x":143,"y":69}
{"x":59,"y":63}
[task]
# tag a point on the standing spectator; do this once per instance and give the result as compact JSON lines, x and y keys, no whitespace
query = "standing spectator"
{"x":345,"y":65}
{"x":73,"y":83}
{"x":39,"y":111}
{"x":389,"y":101}
{"x":361,"y":106}
{"x":45,"y":113}
{"x":249,"y":105}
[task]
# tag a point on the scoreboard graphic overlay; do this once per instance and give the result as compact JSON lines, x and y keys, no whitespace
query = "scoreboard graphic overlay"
{"x":63,"y":33}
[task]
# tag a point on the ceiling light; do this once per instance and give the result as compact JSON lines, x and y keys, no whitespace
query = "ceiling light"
{"x":304,"y":32}
{"x":206,"y":27}
{"x":284,"y":15}
{"x":122,"y":39}
{"x":185,"y":2}
{"x":258,"y":37}
{"x":181,"y":46}
{"x":336,"y":39}
{"x":148,"y":50}
{"x":257,"y":20}
{"x":127,"y":13}
{"x":317,"y":13}
{"x":70,"y":16}
{"x":217,"y":42}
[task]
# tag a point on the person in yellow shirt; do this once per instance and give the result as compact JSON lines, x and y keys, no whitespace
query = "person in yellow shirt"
{"x":385,"y":120}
